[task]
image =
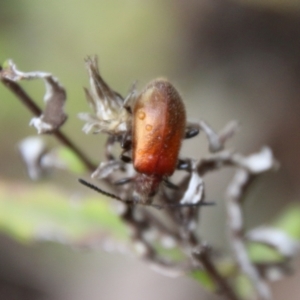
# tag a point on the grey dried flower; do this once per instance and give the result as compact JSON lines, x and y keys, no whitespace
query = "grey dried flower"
{"x":111,"y":115}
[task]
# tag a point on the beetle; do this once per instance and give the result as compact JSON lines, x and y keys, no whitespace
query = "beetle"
{"x":158,"y":126}
{"x":152,"y":131}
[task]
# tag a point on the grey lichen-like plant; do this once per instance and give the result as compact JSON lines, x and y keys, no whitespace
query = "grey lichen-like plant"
{"x":156,"y":239}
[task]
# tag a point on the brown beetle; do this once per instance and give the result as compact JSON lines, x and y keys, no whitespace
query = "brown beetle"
{"x":151,"y":126}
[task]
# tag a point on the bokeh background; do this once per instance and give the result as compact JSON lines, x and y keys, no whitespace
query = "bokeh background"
{"x":229,"y":59}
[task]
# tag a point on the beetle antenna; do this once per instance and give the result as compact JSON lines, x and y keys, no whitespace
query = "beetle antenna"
{"x":190,"y":204}
{"x":97,"y":189}
{"x":113,"y":196}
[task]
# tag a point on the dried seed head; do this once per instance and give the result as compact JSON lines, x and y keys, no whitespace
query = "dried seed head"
{"x":110,"y":116}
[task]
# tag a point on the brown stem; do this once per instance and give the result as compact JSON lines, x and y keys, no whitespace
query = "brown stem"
{"x":224,"y":288}
{"x":17,"y":90}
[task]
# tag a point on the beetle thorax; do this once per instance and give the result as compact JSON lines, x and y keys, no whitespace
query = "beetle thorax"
{"x":145,"y":187}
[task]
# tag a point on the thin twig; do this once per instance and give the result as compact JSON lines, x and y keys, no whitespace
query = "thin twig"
{"x":203,"y":257}
{"x":18,"y":91}
{"x":235,"y":193}
{"x":189,"y":241}
{"x":224,"y":288}
{"x":146,"y":250}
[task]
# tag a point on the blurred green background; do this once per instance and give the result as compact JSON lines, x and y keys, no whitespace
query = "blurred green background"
{"x":229,"y":59}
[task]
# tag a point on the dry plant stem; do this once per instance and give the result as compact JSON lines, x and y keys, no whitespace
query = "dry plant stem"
{"x":17,"y":90}
{"x":145,"y":249}
{"x":160,"y":226}
{"x":190,"y":243}
{"x":224,"y":289}
{"x":202,"y":256}
{"x":235,"y":194}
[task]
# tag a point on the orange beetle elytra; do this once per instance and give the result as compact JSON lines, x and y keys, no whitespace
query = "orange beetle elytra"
{"x":159,"y":122}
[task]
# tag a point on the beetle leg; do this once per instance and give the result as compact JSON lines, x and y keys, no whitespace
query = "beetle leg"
{"x":109,"y":147}
{"x":191,"y":130}
{"x":126,"y":145}
{"x":125,"y":158}
{"x":126,"y":142}
{"x":170,"y":185}
{"x":183,"y":164}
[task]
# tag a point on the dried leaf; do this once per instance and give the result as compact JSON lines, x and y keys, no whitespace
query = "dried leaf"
{"x":276,"y":239}
{"x":110,"y":116}
{"x":53,"y":116}
{"x":32,"y":149}
{"x":217,"y":140}
{"x":195,"y":191}
{"x":258,"y":162}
